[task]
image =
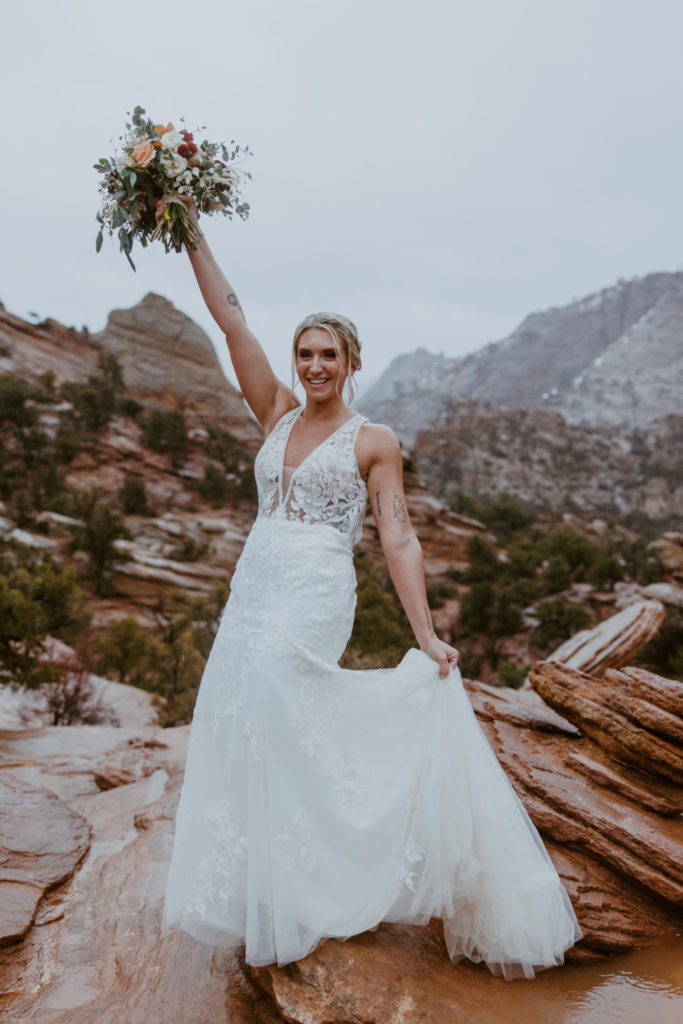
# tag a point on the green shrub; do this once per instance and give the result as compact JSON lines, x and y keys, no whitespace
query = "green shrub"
{"x":130,"y":408}
{"x":166,"y":432}
{"x":503,"y":515}
{"x":190,"y":550}
{"x":381,"y":632}
{"x":67,"y":446}
{"x":664,"y":653}
{"x":556,"y":575}
{"x":482,"y":556}
{"x":605,"y":571}
{"x":214,"y":487}
{"x":37,"y":599}
{"x":102,"y":527}
{"x":558,"y":620}
{"x":476,"y":608}
{"x":510,"y":674}
{"x":95,"y":401}
{"x":14,"y":398}
{"x":127,"y":651}
{"x":439,"y":591}
{"x":506,"y":618}
{"x":133,"y":494}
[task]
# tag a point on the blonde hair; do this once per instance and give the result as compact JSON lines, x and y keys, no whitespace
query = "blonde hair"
{"x":344,"y":334}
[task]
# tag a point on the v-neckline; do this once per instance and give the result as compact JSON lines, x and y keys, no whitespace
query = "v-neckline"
{"x":284,"y":495}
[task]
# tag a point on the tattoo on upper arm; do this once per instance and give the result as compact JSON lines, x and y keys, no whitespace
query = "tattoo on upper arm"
{"x":235,"y":303}
{"x":378,"y":503}
{"x":399,"y":509}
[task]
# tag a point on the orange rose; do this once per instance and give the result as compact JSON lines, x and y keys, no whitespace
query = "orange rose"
{"x":143,"y":154}
{"x":161,"y":130}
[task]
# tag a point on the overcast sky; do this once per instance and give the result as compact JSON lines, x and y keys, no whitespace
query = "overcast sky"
{"x":434,"y":170}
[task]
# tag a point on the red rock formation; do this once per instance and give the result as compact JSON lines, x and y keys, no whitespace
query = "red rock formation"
{"x":612,"y":827}
{"x":613,"y":642}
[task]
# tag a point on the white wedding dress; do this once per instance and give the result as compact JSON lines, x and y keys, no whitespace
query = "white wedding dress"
{"x":319,"y":801}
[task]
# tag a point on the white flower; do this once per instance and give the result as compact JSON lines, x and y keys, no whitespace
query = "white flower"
{"x":171,"y":140}
{"x":172,"y":163}
{"x":125,"y":160}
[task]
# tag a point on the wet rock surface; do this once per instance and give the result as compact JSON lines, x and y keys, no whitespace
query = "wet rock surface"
{"x":612,"y":828}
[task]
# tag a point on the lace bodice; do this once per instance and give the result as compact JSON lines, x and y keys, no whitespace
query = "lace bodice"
{"x":325,"y":489}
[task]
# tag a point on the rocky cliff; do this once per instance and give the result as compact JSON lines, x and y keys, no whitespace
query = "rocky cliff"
{"x":613,"y":358}
{"x":548,"y":463}
{"x":166,"y":359}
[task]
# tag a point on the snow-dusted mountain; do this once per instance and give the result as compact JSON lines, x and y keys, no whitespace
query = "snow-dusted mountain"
{"x":614,"y":358}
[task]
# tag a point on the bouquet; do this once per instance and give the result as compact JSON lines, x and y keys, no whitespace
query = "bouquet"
{"x":158,"y":160}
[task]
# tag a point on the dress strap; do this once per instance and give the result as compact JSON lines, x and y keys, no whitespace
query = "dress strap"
{"x":357,"y":422}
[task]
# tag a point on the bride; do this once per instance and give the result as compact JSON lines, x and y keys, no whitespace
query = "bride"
{"x":318,"y":801}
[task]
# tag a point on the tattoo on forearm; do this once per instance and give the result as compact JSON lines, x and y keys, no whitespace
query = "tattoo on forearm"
{"x":428,"y":620}
{"x":378,"y":503}
{"x":399,"y":509}
{"x":235,"y":303}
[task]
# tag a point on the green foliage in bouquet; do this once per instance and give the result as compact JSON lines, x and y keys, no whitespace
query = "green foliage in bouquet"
{"x":156,"y":161}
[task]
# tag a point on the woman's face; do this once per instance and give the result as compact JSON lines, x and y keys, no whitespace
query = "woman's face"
{"x":318,"y":365}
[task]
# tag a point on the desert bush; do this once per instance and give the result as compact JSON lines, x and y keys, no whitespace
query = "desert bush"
{"x":127,"y":651}
{"x":102,"y":527}
{"x":186,"y":629}
{"x":381,"y":632}
{"x":37,"y":599}
{"x":166,"y":432}
{"x":503,"y":515}
{"x":215,"y":486}
{"x":95,"y":401}
{"x":15,"y":407}
{"x":556,"y":575}
{"x":190,"y":550}
{"x":664,"y":653}
{"x":439,"y":591}
{"x":476,"y":608}
{"x":133,"y":494}
{"x":510,"y":674}
{"x":72,"y":698}
{"x":483,"y":560}
{"x":558,"y":620}
{"x":67,"y":445}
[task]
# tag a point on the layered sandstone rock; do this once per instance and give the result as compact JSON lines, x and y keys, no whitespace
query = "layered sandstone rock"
{"x":593,"y":764}
{"x":613,"y":642}
{"x":166,"y":359}
{"x":613,"y":832}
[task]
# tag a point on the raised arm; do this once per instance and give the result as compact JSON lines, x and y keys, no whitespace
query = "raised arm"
{"x":380,"y":451}
{"x":267,"y":397}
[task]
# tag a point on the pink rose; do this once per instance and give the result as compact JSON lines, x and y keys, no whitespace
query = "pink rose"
{"x":143,"y":154}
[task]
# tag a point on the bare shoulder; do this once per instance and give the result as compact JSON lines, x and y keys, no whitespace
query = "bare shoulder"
{"x":376,"y":443}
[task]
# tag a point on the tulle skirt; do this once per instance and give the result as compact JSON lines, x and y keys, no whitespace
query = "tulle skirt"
{"x":319,"y":801}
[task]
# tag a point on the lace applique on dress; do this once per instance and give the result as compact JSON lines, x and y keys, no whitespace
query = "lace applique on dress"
{"x":325,"y":488}
{"x":292,"y":846}
{"x":214,"y":881}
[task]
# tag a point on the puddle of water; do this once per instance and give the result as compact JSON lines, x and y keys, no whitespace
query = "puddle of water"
{"x":643,"y":987}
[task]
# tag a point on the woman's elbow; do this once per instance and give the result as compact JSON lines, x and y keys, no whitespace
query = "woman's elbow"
{"x":401,"y":544}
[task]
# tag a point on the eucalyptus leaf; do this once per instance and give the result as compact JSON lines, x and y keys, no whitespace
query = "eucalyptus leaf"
{"x":98,"y":241}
